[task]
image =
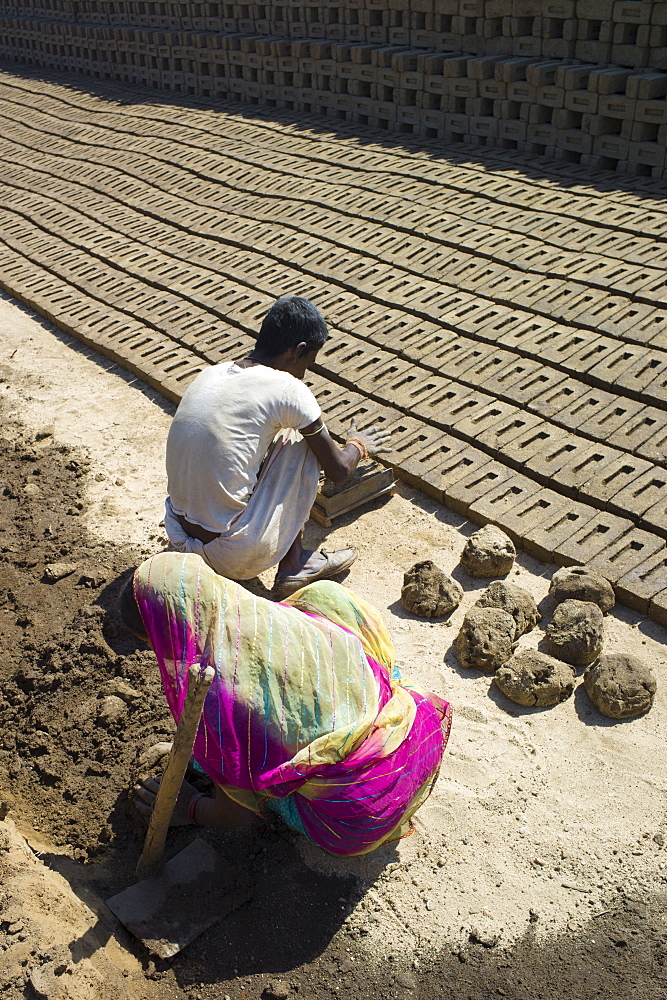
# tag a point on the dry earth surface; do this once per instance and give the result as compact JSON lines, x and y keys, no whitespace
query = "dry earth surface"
{"x":539,"y":865}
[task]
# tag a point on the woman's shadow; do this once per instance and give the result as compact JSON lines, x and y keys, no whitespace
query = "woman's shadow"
{"x":295,"y":897}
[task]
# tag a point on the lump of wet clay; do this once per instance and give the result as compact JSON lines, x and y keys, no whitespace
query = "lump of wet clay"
{"x":620,"y":686}
{"x":110,"y":709}
{"x":488,"y":552}
{"x":516,"y":601}
{"x":58,"y":570}
{"x":581,"y":583}
{"x":533,"y":678}
{"x":429,"y":592}
{"x":575,"y":632}
{"x":485,"y":640}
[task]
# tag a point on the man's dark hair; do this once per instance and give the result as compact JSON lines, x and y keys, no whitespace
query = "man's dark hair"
{"x":289,"y":322}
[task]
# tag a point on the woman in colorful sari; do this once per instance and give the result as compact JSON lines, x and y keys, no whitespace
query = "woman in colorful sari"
{"x":307,"y":715}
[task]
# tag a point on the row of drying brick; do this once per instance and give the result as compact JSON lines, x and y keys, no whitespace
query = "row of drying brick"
{"x":546,"y":524}
{"x":594,"y":217}
{"x":632,"y":33}
{"x":431,"y":346}
{"x":630,"y":486}
{"x":412,"y":203}
{"x":609,"y":209}
{"x":601,"y":361}
{"x":499,"y":281}
{"x":557,"y":300}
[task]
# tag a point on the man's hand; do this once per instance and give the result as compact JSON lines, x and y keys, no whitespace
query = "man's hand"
{"x":375,"y":439}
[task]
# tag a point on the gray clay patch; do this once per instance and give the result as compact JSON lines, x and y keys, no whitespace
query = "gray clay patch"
{"x":485,"y":640}
{"x":575,"y":632}
{"x":488,"y":552}
{"x":428,"y":592}
{"x":515,"y":600}
{"x":620,"y":686}
{"x":533,"y":678}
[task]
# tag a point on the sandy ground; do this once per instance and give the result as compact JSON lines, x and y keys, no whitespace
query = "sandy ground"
{"x":538,"y":816}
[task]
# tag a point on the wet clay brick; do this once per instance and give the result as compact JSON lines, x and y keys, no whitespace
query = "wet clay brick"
{"x":644,"y":582}
{"x":604,"y":423}
{"x":468,"y":490}
{"x":503,"y":497}
{"x":644,"y":433}
{"x":385,"y":380}
{"x":627,"y":552}
{"x":642,"y":492}
{"x":583,"y":466}
{"x":658,"y":608}
{"x":530,"y":435}
{"x":560,"y":394}
{"x":531,"y":512}
{"x":448,"y":471}
{"x":408,"y":390}
{"x":545,"y":541}
{"x":409,"y":437}
{"x":416,"y":468}
{"x":534,"y":385}
{"x":501,"y":379}
{"x":483,"y":425}
{"x":504,"y":437}
{"x":578,"y":411}
{"x":443,"y":405}
{"x":655,"y":518}
{"x":615,"y":474}
{"x":545,"y":458}
{"x":630,"y":367}
{"x":601,"y":531}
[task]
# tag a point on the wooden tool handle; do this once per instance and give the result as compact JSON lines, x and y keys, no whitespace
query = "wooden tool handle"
{"x":174,"y":772}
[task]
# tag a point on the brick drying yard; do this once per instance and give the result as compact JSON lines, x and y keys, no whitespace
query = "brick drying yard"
{"x":475,"y":198}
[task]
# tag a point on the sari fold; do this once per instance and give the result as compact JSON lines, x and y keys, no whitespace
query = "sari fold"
{"x":303,"y":703}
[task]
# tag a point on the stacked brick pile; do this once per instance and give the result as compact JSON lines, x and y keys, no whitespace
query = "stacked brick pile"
{"x":578,"y":80}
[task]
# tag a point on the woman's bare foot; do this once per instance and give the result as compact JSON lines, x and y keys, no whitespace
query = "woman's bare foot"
{"x":145,"y":792}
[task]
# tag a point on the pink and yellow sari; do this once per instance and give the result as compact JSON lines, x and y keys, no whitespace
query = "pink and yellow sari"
{"x":306,"y":714}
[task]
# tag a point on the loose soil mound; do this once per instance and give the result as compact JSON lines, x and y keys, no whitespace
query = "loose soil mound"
{"x":62,"y":651}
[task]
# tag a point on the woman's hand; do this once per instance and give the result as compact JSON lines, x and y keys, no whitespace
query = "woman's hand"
{"x":145,"y":793}
{"x":374,"y":439}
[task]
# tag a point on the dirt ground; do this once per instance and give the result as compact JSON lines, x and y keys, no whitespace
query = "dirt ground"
{"x":539,"y":865}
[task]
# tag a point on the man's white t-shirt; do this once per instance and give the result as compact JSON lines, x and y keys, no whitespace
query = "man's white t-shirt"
{"x":222,"y":430}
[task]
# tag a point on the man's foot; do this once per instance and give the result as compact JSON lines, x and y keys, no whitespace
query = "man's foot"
{"x":326,"y":566}
{"x":145,"y":792}
{"x":301,"y":561}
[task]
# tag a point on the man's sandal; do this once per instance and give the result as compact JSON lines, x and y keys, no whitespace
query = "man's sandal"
{"x":335,"y":563}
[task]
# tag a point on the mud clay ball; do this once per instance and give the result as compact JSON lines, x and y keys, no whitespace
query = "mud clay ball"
{"x":485,"y":640}
{"x":620,"y":686}
{"x":489,"y":552}
{"x":533,"y":678}
{"x":516,"y":601}
{"x":575,"y":632}
{"x":429,"y":592}
{"x":580,"y":583}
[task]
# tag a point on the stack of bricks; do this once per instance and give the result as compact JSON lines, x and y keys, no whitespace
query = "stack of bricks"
{"x":579,"y":80}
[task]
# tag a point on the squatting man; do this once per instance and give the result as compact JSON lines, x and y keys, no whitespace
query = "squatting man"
{"x":244,"y":454}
